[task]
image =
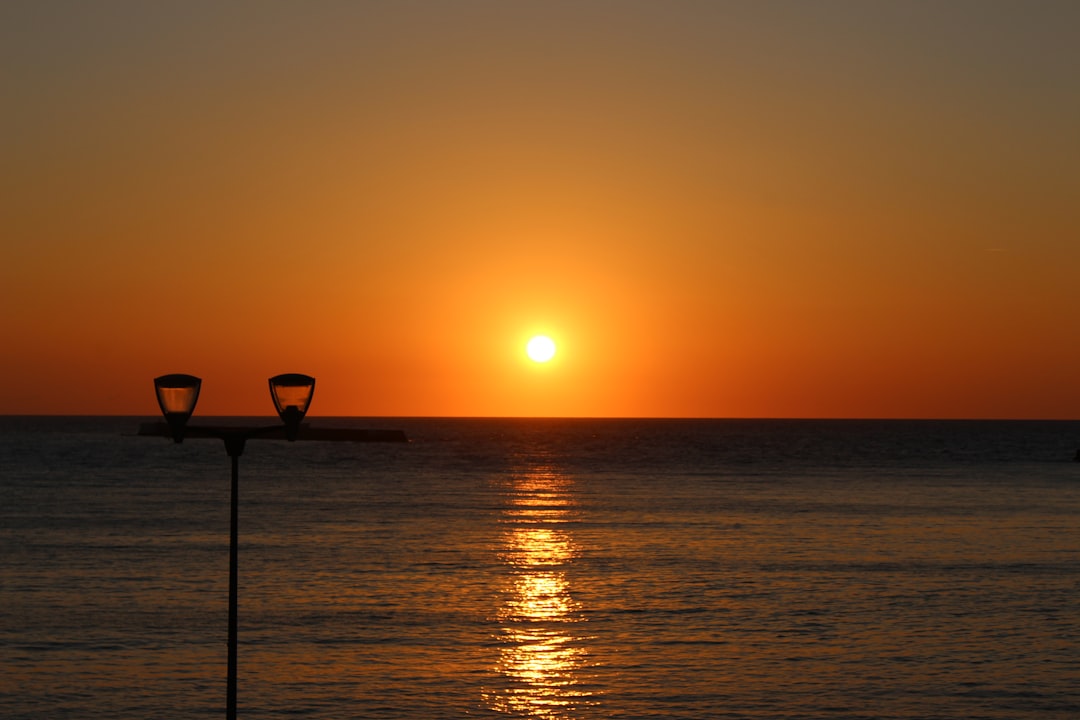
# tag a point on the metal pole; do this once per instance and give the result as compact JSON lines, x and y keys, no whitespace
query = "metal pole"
{"x":235,"y":447}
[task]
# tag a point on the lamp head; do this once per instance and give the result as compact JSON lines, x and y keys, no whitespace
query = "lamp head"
{"x":292,"y":394}
{"x":176,"y":396}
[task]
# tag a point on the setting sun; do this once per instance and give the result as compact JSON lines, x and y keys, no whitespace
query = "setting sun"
{"x":541,"y":348}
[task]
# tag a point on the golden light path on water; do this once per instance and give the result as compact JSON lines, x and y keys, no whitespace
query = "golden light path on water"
{"x":540,"y":656}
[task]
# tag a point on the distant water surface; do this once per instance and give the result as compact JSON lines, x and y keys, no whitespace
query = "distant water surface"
{"x":547,"y":569}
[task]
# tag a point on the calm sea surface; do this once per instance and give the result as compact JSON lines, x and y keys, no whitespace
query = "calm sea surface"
{"x":546,"y":569}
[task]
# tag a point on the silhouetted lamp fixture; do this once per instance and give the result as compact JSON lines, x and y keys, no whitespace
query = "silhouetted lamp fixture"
{"x":176,"y":396}
{"x":292,"y":393}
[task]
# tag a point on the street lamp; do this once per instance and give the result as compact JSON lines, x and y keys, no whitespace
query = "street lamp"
{"x":291,"y":393}
{"x":177,"y":395}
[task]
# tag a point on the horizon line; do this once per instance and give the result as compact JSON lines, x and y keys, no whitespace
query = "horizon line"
{"x":867,"y":418}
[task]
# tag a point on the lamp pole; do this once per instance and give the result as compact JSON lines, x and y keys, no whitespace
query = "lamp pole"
{"x":234,"y":445}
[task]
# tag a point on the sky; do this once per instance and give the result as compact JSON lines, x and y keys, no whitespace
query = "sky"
{"x":715,"y":209}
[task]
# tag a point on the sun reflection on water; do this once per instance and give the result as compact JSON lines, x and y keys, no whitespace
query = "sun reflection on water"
{"x":541,"y":658}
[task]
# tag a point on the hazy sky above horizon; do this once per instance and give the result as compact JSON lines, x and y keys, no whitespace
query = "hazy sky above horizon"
{"x":725,"y":209}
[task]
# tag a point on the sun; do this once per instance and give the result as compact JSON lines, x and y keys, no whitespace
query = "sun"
{"x":540,"y":348}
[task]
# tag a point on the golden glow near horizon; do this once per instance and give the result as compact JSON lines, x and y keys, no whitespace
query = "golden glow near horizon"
{"x":540,"y":349}
{"x":724,"y":209}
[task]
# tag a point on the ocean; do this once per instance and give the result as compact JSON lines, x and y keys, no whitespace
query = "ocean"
{"x":546,"y":569}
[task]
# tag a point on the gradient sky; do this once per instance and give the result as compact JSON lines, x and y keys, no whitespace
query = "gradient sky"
{"x":752,"y":209}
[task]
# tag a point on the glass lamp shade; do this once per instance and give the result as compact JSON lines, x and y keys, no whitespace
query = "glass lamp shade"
{"x":292,"y":394}
{"x":176,"y":396}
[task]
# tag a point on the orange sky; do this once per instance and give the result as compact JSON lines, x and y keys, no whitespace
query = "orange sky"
{"x":784,"y":209}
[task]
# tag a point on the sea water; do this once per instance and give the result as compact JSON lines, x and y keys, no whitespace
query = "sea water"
{"x":546,"y":569}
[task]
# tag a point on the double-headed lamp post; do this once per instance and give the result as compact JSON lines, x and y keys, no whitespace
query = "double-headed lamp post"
{"x":177,"y":395}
